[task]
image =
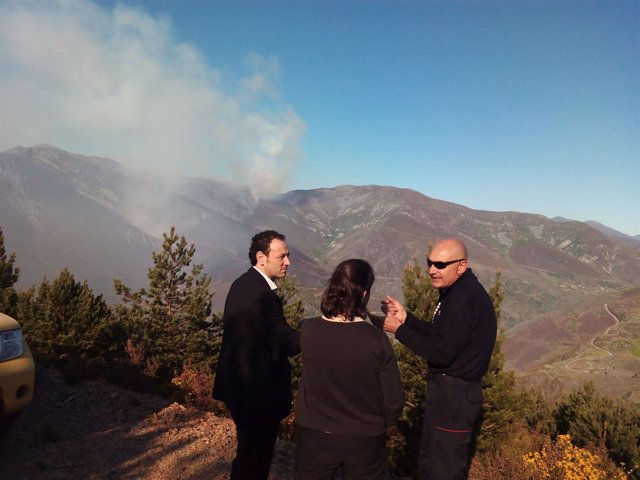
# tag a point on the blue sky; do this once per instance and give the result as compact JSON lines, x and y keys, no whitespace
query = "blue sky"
{"x":523,"y":106}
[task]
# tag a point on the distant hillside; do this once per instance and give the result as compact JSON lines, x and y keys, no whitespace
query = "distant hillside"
{"x":545,"y":265}
{"x":562,"y":350}
{"x":613,"y":233}
{"x":103,"y":221}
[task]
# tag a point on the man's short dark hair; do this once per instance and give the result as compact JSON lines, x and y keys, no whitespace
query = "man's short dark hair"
{"x":261,"y":242}
{"x":344,"y":295}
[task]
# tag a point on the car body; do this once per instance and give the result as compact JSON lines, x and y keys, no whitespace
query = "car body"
{"x":17,"y":370}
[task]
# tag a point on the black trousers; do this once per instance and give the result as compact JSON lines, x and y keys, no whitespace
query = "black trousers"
{"x":256,"y":438}
{"x":452,"y":407}
{"x":320,"y":455}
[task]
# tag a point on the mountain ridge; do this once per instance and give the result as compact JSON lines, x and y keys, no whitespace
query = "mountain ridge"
{"x":103,"y":220}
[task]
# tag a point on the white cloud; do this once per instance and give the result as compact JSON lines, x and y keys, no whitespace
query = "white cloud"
{"x":116,"y":83}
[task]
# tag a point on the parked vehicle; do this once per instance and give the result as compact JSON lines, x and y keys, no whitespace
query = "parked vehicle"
{"x":17,"y":372}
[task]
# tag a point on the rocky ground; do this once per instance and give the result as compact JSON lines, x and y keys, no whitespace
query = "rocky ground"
{"x":97,"y":431}
{"x":94,"y":430}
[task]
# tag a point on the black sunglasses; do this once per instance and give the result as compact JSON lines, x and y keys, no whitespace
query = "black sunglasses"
{"x":442,"y":265}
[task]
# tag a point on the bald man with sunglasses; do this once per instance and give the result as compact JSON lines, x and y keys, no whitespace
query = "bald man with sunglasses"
{"x":457,"y":343}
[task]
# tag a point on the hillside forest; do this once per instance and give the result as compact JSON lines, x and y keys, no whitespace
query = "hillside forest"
{"x":165,"y":339}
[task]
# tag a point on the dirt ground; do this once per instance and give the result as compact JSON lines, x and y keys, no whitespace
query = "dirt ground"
{"x":97,"y":431}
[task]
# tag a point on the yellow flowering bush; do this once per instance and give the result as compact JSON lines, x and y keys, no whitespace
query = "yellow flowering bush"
{"x":564,"y":461}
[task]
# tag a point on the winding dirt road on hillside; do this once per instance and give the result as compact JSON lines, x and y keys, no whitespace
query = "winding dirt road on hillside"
{"x":584,"y":356}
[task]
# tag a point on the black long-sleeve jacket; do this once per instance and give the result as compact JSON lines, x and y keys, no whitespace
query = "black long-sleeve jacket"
{"x":350,"y":382}
{"x":253,"y":376}
{"x":459,"y":340}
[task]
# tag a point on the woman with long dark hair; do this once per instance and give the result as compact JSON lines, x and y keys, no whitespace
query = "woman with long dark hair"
{"x":350,"y":390}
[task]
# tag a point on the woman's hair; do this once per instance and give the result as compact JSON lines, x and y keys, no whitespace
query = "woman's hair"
{"x":345,"y":292}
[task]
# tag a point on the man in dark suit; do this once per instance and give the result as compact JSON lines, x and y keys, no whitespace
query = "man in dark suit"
{"x":253,"y":376}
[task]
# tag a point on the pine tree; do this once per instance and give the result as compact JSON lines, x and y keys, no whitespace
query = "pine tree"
{"x":66,"y":320}
{"x":421,"y":299}
{"x":503,"y":405}
{"x":538,"y":412}
{"x":420,"y":296}
{"x":169,"y":321}
{"x":8,"y":278}
{"x":591,"y":418}
{"x":293,"y":308}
